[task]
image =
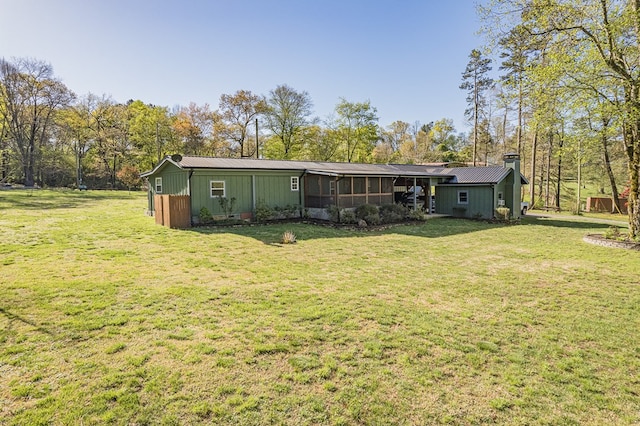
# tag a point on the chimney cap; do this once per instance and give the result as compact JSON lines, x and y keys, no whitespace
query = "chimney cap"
{"x":511,"y":156}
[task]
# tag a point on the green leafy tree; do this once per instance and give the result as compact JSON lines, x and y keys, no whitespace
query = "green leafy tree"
{"x":238,"y":113}
{"x":287,"y":113}
{"x":476,"y":83}
{"x":195,"y":127}
{"x":150,"y":131}
{"x":602,"y":36}
{"x":111,"y":145}
{"x":356,"y":124}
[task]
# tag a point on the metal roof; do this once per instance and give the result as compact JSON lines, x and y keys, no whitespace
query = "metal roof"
{"x":480,"y":175}
{"x":475,"y":175}
{"x":319,"y":167}
{"x":458,"y":175}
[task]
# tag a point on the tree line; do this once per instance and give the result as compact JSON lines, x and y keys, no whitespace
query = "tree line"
{"x":566,"y":98}
{"x":49,"y":136}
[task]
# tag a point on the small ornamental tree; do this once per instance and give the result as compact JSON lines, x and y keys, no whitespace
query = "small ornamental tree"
{"x":129,"y":176}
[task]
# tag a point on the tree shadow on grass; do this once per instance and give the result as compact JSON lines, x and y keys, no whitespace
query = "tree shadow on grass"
{"x":13,"y":318}
{"x":567,"y":223}
{"x":38,"y":199}
{"x":271,"y":233}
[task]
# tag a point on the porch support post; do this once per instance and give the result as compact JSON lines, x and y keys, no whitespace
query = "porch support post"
{"x":427,"y":194}
{"x":415,"y":195}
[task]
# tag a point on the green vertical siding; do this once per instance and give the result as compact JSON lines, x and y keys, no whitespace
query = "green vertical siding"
{"x":272,"y":188}
{"x":510,"y":195}
{"x":275,"y":190}
{"x":174,"y":182}
{"x":236,"y":186}
{"x":480,"y":201}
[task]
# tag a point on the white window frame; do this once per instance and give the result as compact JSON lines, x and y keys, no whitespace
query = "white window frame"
{"x":295,"y":183}
{"x":158,"y":185}
{"x":466,"y":196}
{"x":224,"y":189}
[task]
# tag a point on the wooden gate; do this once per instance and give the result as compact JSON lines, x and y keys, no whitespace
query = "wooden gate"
{"x":173,"y":211}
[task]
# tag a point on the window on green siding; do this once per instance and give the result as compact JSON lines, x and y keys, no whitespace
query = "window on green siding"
{"x":374,"y":185}
{"x":359,"y":185}
{"x":217,"y":188}
{"x":159,"y":185}
{"x":463,"y":197}
{"x":295,"y":183}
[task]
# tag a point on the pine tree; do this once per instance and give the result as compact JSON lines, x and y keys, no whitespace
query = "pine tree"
{"x":476,"y":83}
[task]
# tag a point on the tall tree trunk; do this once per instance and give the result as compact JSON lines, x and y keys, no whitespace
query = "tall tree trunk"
{"x":633,"y":151}
{"x":607,"y":165}
{"x":632,"y":140}
{"x":29,"y":177}
{"x":475,"y":120}
{"x":519,"y":129}
{"x":113,"y":173}
{"x":532,"y":184}
{"x":559,"y":177}
{"x":548,"y":171}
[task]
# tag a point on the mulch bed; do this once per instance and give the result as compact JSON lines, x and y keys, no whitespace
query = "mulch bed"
{"x":600,"y":240}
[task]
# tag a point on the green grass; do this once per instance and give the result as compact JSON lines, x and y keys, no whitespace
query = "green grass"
{"x":108,"y":318}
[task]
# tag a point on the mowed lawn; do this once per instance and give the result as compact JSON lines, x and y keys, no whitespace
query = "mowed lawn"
{"x":108,"y":318}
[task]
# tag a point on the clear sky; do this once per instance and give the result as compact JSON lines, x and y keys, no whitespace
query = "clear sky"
{"x":405,"y":56}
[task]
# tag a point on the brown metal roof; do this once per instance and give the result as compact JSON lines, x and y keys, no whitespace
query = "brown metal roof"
{"x":190,"y":162}
{"x":458,"y":175}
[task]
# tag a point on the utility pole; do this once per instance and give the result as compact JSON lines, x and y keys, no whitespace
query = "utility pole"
{"x":257,"y":154}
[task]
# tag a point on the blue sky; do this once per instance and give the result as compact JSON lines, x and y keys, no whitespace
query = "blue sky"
{"x":405,"y":56}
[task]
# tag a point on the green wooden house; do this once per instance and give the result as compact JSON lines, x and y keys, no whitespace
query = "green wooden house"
{"x":312,"y":186}
{"x":309,"y":185}
{"x":476,"y":192}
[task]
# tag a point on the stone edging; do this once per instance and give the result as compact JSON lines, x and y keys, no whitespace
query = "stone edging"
{"x":600,"y":240}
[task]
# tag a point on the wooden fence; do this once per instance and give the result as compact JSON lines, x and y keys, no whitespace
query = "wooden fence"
{"x":173,"y":211}
{"x":604,"y":204}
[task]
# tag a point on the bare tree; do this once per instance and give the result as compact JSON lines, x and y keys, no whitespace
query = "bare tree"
{"x":29,"y":95}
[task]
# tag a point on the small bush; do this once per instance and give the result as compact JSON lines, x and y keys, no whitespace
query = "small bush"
{"x":612,"y":233}
{"x":263,"y":212}
{"x":417,"y":215}
{"x":288,"y":237}
{"x":334,"y":213}
{"x":227,"y":205}
{"x":348,"y":216}
{"x":205,"y":215}
{"x":390,"y":213}
{"x":373,"y":219}
{"x":366,"y":210}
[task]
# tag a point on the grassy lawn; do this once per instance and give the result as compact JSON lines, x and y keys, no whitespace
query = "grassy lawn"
{"x":106,"y":317}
